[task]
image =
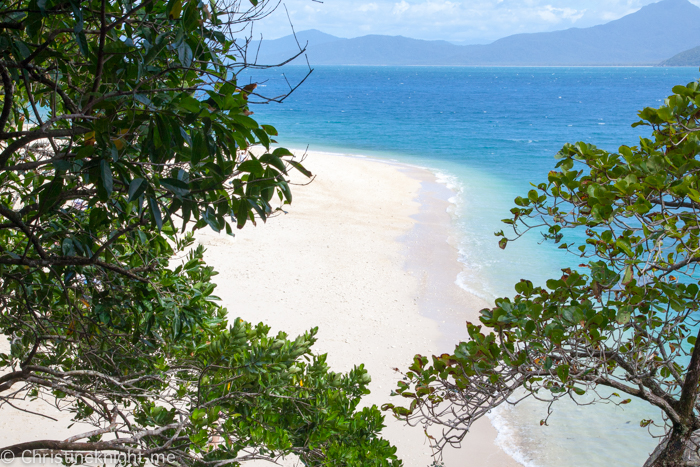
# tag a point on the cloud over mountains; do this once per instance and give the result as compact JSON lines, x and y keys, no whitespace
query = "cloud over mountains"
{"x":470,"y":21}
{"x":645,"y":37}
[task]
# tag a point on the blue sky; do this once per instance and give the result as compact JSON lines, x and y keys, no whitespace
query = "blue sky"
{"x":473,"y":21}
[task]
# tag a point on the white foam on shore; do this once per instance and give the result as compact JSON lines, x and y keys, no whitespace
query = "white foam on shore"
{"x":469,"y":279}
{"x":507,"y":438}
{"x":453,"y":184}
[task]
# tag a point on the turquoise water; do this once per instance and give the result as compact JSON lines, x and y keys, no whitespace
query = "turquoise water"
{"x":488,"y":133}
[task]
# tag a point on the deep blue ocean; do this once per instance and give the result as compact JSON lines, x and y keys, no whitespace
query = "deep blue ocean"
{"x":487,"y":133}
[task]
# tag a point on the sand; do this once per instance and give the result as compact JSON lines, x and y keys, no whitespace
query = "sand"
{"x":364,"y":253}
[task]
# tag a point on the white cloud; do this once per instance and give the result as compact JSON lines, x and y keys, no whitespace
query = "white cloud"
{"x":572,"y":14}
{"x":368,"y":7}
{"x":606,"y":16}
{"x":556,"y":15}
{"x":400,"y":8}
{"x":429,"y":10}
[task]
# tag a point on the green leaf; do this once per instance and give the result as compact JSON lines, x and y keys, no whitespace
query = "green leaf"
{"x":82,"y":42}
{"x":174,"y":9}
{"x":252,"y":166}
{"x":22,"y":49}
{"x":548,"y":363}
{"x":269,"y":129}
{"x":142,"y":99}
{"x":178,"y":187}
{"x":299,"y":167}
{"x":117,"y":47}
{"x":78,"y":15}
{"x":106,"y":176}
{"x":155,"y":213}
{"x":624,"y":314}
{"x":137,"y":187}
{"x":242,"y":215}
{"x":184,"y":55}
{"x":67,"y":247}
{"x":262,"y":136}
{"x":275,"y":161}
{"x":563,"y":372}
{"x":530,"y":327}
{"x":199,"y":148}
{"x":50,"y":194}
{"x":627,"y":278}
{"x":191,"y":104}
{"x":281,"y":152}
{"x":246,"y":121}
{"x":98,"y":216}
{"x":211,"y":219}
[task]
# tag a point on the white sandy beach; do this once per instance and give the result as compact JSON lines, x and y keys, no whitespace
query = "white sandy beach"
{"x":363,"y":254}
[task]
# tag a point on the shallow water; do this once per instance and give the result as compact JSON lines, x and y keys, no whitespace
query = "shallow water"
{"x":487,"y":133}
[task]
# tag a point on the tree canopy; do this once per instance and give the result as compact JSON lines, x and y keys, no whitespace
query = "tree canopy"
{"x":624,"y":316}
{"x":123,"y":130}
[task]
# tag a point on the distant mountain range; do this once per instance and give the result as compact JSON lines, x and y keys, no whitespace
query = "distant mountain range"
{"x":647,"y":37}
{"x":686,"y":58}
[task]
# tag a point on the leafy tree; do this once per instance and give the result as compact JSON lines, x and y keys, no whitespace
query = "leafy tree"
{"x":626,"y":318}
{"x":122,"y":131}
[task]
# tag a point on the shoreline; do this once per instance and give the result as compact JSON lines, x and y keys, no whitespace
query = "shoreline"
{"x":364,"y":254}
{"x":445,"y":300}
{"x":447,"y":303}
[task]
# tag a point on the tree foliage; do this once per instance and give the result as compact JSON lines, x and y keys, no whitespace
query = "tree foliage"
{"x":123,"y":130}
{"x":626,"y":318}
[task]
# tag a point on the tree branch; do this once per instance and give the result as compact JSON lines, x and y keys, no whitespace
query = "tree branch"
{"x":9,"y":379}
{"x":100,"y":52}
{"x":9,"y":89}
{"x":13,"y":217}
{"x":689,"y":390}
{"x":11,"y":25}
{"x":41,"y":133}
{"x":75,"y":261}
{"x":116,"y":236}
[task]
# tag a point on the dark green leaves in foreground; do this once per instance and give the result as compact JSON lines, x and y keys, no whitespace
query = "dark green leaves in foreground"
{"x":123,"y":130}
